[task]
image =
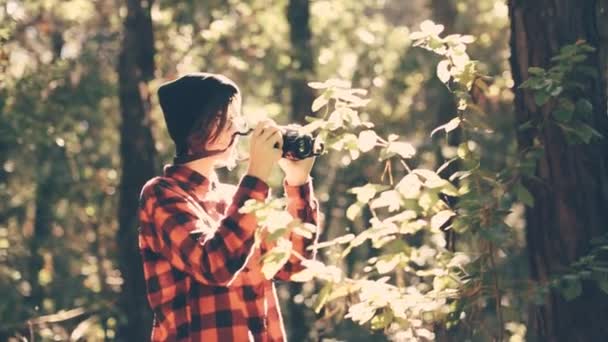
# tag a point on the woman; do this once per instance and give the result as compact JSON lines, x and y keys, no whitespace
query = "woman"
{"x":201,"y":266}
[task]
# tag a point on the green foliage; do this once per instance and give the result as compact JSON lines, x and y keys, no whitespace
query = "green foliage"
{"x":590,"y":268}
{"x":412,"y":250}
{"x":562,"y":88}
{"x":409,"y":219}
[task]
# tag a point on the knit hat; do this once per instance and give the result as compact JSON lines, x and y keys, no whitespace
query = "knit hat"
{"x":188,"y":98}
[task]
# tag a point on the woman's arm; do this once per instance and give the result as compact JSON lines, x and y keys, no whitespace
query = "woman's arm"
{"x":221,"y":252}
{"x":301,"y":204}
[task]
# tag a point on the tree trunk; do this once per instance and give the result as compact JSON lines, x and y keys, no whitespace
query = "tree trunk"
{"x":571,"y":195}
{"x":47,"y":190}
{"x":137,"y":156}
{"x":298,"y":14}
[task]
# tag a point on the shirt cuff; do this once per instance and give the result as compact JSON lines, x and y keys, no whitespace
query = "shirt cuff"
{"x":299,"y":195}
{"x":256,"y":188}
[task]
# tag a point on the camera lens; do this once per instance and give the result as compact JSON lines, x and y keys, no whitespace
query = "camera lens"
{"x":303,"y":145}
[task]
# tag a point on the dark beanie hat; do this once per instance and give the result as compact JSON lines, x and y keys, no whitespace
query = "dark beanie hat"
{"x":186,"y":99}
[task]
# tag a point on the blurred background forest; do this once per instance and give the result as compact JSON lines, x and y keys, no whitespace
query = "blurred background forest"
{"x":81,"y":132}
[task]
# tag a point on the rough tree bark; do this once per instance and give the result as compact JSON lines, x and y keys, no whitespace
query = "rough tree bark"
{"x":298,"y":16}
{"x":302,"y":68}
{"x":571,"y":197}
{"x":48,"y":191}
{"x":135,"y":68}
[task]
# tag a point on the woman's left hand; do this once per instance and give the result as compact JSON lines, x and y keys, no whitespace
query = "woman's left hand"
{"x":296,"y":171}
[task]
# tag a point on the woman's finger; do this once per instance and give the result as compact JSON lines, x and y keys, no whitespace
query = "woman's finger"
{"x":258,"y":129}
{"x":276,"y":139}
{"x":268,"y":132}
{"x":266,"y":125}
{"x":272,"y":132}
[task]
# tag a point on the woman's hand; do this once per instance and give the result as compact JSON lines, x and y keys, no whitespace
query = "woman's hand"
{"x":262,"y":152}
{"x":297,"y":171}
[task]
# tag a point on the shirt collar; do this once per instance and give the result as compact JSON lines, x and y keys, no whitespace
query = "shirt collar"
{"x":189,"y":179}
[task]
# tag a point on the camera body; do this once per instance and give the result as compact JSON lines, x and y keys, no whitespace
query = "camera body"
{"x":297,"y":145}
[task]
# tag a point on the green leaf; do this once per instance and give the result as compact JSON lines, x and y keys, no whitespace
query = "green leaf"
{"x":583,"y":46}
{"x":498,"y":233}
{"x":443,"y":71}
{"x":250,"y":206}
{"x":339,"y":240}
{"x":405,"y":150}
{"x":313,"y":125}
{"x":276,"y":258}
{"x":564,"y":111}
{"x":428,"y":199}
{"x":536,"y":70}
{"x":335,"y":121}
{"x":584,"y":131}
{"x":273,"y":263}
{"x":526,"y":125}
{"x":430,"y":28}
{"x":322,"y":297}
{"x":578,"y":58}
{"x":387,"y":263}
{"x":303,"y":276}
{"x":318,"y":85}
{"x":353,"y":211}
{"x":382,"y":320}
{"x":450,"y":190}
{"x":588,"y":71}
{"x":390,"y":199}
{"x":277,"y":219}
{"x":556,"y":91}
{"x":579,"y":132}
{"x":409,"y":186}
{"x":417,"y":35}
{"x":602,"y":282}
{"x":448,"y":127}
{"x":463,"y":151}
{"x":568,"y":50}
{"x":584,"y":108}
{"x":571,"y":288}
{"x":467,"y":39}
{"x":523,"y":195}
{"x":367,"y":192}
{"x":441,"y":218}
{"x":275,"y":235}
{"x":541,"y":97}
{"x":367,"y":140}
{"x":320,"y":102}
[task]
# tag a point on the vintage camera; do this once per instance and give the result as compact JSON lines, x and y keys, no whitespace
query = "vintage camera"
{"x":297,"y":145}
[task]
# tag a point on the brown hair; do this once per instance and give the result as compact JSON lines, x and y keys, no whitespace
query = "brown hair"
{"x":212,"y":120}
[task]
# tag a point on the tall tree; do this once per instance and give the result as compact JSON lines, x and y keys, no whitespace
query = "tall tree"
{"x":135,"y":68}
{"x":571,"y":191}
{"x":298,"y":16}
{"x":48,"y":192}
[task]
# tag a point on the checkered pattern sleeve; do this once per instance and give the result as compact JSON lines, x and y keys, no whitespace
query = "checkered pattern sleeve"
{"x":302,"y":204}
{"x":217,"y":254}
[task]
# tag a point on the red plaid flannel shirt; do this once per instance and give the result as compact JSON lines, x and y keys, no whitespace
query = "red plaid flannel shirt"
{"x":209,"y":286}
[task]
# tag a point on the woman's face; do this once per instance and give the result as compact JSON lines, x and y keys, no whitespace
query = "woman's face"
{"x":233,"y":123}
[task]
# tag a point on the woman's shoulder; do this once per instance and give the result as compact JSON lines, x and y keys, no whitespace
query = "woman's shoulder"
{"x":155,"y":187}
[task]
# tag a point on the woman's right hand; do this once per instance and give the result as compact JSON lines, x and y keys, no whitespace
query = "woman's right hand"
{"x":262,"y":151}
